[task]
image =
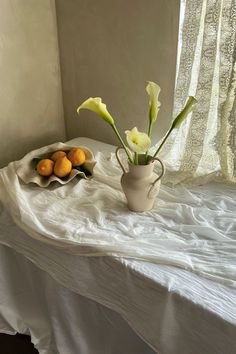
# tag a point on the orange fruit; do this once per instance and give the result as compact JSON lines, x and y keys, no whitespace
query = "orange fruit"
{"x":76,"y":156}
{"x":57,"y":154}
{"x":45,"y":167}
{"x":62,"y":167}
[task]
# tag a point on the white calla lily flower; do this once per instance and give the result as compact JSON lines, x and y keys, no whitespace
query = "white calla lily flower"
{"x":153,"y":90}
{"x":139,"y":142}
{"x":96,"y":105}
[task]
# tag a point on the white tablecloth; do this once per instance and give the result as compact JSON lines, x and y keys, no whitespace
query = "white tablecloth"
{"x":175,"y":311}
{"x":58,"y":320}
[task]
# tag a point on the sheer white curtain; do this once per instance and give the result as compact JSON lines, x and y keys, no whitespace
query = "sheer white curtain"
{"x":204,"y":148}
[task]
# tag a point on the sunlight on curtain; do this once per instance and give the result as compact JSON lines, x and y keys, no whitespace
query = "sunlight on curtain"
{"x":204,"y":147}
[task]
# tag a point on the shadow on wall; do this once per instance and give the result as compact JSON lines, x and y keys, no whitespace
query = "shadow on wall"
{"x":31,"y":111}
{"x":107,"y":48}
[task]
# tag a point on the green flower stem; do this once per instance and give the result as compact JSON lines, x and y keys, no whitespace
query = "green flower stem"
{"x":150,"y":128}
{"x":146,"y":157}
{"x":149,"y":134}
{"x":135,"y":158}
{"x":163,"y":142}
{"x":122,"y":143}
{"x":178,"y":120}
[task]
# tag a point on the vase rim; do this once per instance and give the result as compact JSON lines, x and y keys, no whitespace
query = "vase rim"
{"x":149,"y":165}
{"x":142,"y":158}
{"x":140,"y":164}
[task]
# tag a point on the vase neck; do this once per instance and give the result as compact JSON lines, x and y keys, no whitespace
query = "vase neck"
{"x":141,"y":171}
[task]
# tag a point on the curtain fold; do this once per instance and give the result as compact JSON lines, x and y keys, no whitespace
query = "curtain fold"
{"x":204,"y":147}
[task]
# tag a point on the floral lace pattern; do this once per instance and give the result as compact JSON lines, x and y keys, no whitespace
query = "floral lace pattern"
{"x":204,"y":148}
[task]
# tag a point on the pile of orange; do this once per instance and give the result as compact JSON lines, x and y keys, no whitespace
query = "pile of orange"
{"x":61,"y":162}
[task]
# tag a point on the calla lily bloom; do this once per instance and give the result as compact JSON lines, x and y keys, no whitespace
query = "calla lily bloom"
{"x":96,"y":105}
{"x":154,"y":105}
{"x":183,"y":114}
{"x":178,"y":120}
{"x":138,"y":142}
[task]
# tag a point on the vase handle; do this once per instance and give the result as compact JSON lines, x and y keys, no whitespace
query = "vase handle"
{"x":162,"y":169}
{"x":118,"y":158}
{"x":153,"y":191}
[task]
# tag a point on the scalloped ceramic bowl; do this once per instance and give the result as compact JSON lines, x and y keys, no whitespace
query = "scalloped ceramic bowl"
{"x":28,"y":174}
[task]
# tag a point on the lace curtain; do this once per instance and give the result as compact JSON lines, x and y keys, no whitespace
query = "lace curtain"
{"x":204,"y":148}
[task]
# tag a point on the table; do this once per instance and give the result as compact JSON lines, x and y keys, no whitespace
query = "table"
{"x":88,"y":305}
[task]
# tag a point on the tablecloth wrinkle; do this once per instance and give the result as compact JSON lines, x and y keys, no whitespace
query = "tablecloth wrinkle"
{"x":193,"y":228}
{"x":170,"y":272}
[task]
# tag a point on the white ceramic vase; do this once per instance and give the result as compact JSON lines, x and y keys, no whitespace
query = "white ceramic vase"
{"x":140,"y":183}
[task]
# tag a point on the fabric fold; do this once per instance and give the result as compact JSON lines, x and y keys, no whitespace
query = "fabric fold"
{"x":192,"y":228}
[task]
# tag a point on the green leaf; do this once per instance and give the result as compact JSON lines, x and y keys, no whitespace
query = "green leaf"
{"x":35,"y":161}
{"x":83,"y":169}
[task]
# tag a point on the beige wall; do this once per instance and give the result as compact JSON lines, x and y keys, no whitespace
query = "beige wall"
{"x":110,"y":49}
{"x":31,"y":113}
